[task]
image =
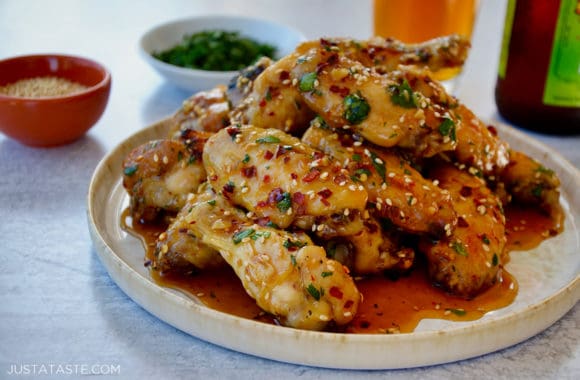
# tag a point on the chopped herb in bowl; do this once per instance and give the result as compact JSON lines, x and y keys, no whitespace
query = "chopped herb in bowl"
{"x":215,"y":50}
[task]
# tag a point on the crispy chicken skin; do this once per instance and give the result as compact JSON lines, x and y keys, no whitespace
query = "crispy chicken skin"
{"x":469,"y":260}
{"x":178,"y":249}
{"x":386,"y":54}
{"x":388,"y":110}
{"x":273,"y":102}
{"x":160,"y":174}
{"x":529,"y":182}
{"x":286,"y":275}
{"x":205,"y":111}
{"x":375,"y":250}
{"x":397,"y":191}
{"x":276,"y":176}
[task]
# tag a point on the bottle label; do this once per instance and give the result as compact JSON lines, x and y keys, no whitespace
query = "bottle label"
{"x":507,"y":35}
{"x":563,"y":77}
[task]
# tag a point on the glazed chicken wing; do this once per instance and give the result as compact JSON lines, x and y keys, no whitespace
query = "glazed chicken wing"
{"x":529,"y":182}
{"x":397,"y":191}
{"x":386,"y":54}
{"x":468,"y":261}
{"x":179,"y":249}
{"x":388,"y":110}
{"x":273,"y":101}
{"x":205,"y":111}
{"x":375,"y":250}
{"x":286,"y":275}
{"x":276,"y":176}
{"x":160,"y":174}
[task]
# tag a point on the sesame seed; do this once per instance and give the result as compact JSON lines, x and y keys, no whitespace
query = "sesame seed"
{"x":379,"y":161}
{"x":357,"y":143}
{"x":324,"y":175}
{"x":347,"y":314}
{"x":346,"y":212}
{"x":324,"y":318}
{"x":164,"y":248}
{"x":155,"y":157}
{"x":389,"y":202}
{"x":245,"y":189}
{"x":352,"y":187}
{"x":289,"y":212}
{"x":320,"y":227}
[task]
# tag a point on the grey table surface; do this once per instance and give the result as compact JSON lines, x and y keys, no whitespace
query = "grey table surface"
{"x":59,"y":307}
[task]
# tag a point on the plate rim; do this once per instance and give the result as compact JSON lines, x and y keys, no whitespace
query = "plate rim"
{"x":129,"y":280}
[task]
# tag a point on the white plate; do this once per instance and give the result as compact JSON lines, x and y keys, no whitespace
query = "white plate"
{"x":548,"y":277}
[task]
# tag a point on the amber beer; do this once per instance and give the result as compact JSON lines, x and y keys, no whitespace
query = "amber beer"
{"x":419,"y":20}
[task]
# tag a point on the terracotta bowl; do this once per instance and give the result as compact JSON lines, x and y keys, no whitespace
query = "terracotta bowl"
{"x":51,"y":121}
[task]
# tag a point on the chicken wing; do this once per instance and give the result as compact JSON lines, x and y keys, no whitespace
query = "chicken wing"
{"x":273,"y":101}
{"x":275,"y":176}
{"x":386,"y":54}
{"x":178,"y":249}
{"x":388,"y":110}
{"x":397,"y":191}
{"x":160,"y":174}
{"x":286,"y":275}
{"x":469,"y":260}
{"x":529,"y":182}
{"x":375,"y":250}
{"x":205,"y":111}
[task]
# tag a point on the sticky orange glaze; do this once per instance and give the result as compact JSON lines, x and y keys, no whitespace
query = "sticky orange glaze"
{"x":389,"y":305}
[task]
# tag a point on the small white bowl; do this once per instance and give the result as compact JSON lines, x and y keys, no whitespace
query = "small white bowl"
{"x":167,"y":35}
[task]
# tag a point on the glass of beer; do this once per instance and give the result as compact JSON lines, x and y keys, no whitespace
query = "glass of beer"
{"x":414,"y":21}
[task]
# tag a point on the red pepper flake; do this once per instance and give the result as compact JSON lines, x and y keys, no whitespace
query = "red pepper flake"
{"x":249,"y":171}
{"x":461,"y":222}
{"x":284,"y":75}
{"x":280,"y":151}
{"x":213,"y":177}
{"x":465,"y":191}
{"x":336,"y":293}
{"x":228,"y":190}
{"x":325,"y":202}
{"x":266,"y":178}
{"x":268,"y":155}
{"x":340,"y":178}
{"x":262,"y":103}
{"x":271,"y":113}
{"x":348,"y":304}
{"x":299,"y":202}
{"x":293,"y":175}
{"x":232,"y":131}
{"x":326,"y":193}
{"x":342,"y":91}
{"x":286,"y":159}
{"x":311,"y":176}
{"x":492,"y":130}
